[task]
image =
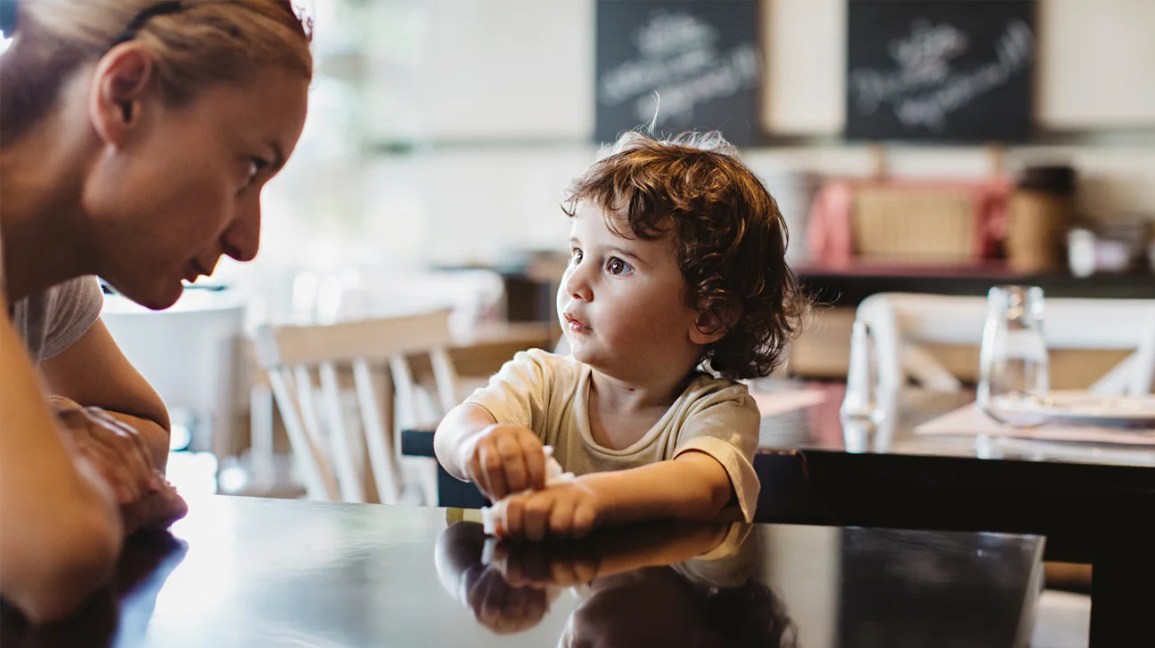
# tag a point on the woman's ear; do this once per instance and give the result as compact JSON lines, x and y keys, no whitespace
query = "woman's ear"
{"x":119,"y":85}
{"x":714,"y":323}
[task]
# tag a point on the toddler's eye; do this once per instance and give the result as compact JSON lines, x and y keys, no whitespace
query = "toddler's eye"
{"x":575,"y":256}
{"x":616,"y":266}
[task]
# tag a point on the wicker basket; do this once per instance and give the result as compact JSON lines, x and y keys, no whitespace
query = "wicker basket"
{"x":915,"y":224}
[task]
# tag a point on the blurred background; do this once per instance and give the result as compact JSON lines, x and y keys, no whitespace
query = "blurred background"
{"x":912,"y":145}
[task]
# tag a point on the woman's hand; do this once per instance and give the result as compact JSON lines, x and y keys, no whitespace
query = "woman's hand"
{"x":119,"y":455}
{"x":113,"y":448}
{"x":504,"y":459}
{"x":566,"y":511}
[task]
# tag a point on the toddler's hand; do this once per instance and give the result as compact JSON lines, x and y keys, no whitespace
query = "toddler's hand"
{"x":505,"y":459}
{"x":566,"y":511}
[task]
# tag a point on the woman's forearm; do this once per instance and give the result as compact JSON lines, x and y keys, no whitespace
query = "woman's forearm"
{"x":155,"y":437}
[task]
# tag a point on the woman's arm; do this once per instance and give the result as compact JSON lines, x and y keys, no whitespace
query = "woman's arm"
{"x":94,"y":373}
{"x":60,"y":532}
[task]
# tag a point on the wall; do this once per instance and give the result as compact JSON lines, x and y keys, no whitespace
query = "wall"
{"x":484,"y":109}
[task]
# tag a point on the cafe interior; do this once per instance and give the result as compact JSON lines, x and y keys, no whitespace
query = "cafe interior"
{"x":958,"y":450}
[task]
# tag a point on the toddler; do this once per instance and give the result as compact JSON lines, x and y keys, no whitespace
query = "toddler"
{"x":677,"y":287}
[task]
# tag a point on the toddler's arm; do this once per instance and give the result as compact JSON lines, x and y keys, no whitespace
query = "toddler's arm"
{"x":693,"y":486}
{"x":499,"y":458}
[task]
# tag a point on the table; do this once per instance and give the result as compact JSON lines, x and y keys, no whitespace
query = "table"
{"x":262,"y":572}
{"x":1093,"y":507}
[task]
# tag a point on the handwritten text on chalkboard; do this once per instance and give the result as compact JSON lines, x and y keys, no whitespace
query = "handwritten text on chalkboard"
{"x":924,"y":88}
{"x":944,"y":69}
{"x":680,"y":59}
{"x":681,"y":64}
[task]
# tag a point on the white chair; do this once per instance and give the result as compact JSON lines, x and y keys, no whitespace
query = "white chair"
{"x":188,"y":353}
{"x":331,"y":427}
{"x":902,"y":323}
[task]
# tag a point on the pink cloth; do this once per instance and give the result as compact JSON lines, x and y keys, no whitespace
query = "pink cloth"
{"x":829,"y":237}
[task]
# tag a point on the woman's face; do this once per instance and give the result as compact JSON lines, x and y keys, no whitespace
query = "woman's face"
{"x":185,"y":188}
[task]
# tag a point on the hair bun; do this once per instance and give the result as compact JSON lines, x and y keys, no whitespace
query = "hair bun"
{"x":8,"y":16}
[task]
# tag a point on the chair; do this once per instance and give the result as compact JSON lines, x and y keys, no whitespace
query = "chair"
{"x":332,"y":427}
{"x":902,"y":324}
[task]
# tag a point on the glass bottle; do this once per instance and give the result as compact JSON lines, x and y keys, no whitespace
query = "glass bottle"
{"x":1014,"y":372}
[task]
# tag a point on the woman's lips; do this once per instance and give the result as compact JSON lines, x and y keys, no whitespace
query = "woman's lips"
{"x":193,"y":271}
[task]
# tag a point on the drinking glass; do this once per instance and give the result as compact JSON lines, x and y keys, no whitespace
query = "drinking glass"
{"x":861,"y":402}
{"x":1014,"y":374}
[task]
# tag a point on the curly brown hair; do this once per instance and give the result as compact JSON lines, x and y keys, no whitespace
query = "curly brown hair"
{"x":729,"y":238}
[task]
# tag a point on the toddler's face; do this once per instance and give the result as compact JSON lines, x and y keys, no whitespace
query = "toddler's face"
{"x":622,"y":302}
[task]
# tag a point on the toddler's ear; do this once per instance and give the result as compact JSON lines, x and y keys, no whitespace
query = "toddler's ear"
{"x":714,"y":323}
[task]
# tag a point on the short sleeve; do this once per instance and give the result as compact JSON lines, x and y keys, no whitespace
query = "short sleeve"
{"x":73,"y":308}
{"x":726,"y":428}
{"x":518,"y":393}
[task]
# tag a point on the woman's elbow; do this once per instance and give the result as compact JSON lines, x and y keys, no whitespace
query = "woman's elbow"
{"x":68,"y":566}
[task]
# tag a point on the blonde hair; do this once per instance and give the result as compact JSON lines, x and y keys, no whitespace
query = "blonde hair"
{"x":200,"y":43}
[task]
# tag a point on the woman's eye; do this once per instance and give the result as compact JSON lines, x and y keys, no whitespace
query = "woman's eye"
{"x":616,"y":266}
{"x":256,"y":165}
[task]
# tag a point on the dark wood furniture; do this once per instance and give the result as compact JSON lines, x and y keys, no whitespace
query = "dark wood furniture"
{"x":1094,"y":505}
{"x":259,"y":572}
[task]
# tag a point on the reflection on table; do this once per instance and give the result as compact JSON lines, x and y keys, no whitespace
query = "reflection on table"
{"x":251,"y":572}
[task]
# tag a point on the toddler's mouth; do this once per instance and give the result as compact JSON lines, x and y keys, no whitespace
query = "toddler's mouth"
{"x":576,"y":325}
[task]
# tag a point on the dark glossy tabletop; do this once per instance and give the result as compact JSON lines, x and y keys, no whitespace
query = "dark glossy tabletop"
{"x":252,"y":572}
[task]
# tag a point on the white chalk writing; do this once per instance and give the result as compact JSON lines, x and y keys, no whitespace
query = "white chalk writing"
{"x":925,"y":88}
{"x":679,"y":58}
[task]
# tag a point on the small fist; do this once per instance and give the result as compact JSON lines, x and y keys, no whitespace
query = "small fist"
{"x":505,"y":459}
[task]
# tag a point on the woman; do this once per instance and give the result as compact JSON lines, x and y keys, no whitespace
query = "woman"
{"x":137,"y":136}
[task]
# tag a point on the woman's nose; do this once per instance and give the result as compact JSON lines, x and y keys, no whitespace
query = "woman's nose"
{"x":242,"y":239}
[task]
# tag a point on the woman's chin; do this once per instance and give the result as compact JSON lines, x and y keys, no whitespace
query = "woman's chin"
{"x":157,"y":297}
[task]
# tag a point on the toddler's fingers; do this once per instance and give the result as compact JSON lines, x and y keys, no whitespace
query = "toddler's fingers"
{"x":536,"y":517}
{"x":534,"y":462}
{"x":513,"y":522}
{"x":492,"y":469}
{"x":513,"y":464}
{"x":585,"y":518}
{"x":561,"y":518}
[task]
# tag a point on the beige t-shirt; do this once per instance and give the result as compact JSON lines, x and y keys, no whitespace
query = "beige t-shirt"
{"x":549,"y":394}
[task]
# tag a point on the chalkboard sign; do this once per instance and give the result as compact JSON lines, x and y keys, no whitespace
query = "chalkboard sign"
{"x":696,"y":62}
{"x":943,"y":70}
